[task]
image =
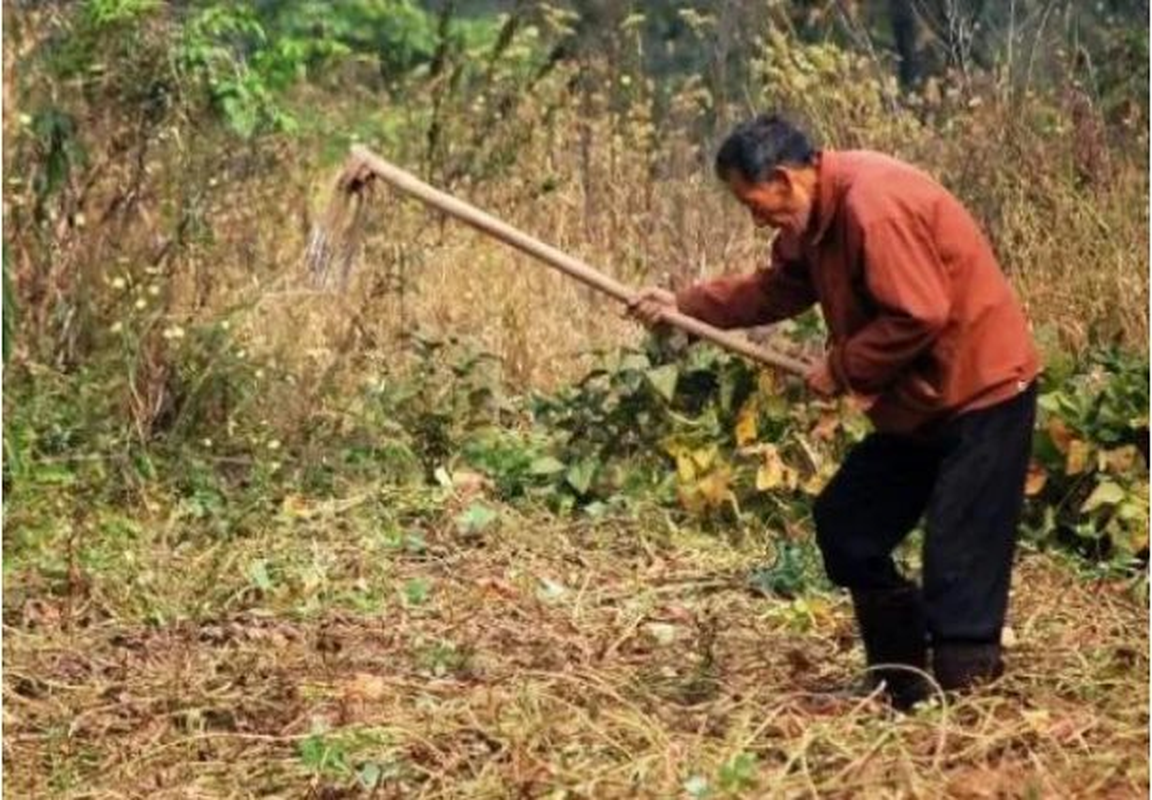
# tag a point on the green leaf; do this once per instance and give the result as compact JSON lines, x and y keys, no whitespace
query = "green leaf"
{"x":414,"y":542}
{"x":369,"y":775}
{"x":258,"y":574}
{"x":663,"y":380}
{"x":546,"y":465}
{"x":416,"y":591}
{"x":785,"y":577}
{"x":697,"y":787}
{"x":241,"y":113}
{"x":54,"y":474}
{"x":475,"y":518}
{"x":739,"y":773}
{"x":580,"y":475}
{"x":634,"y":361}
{"x":1106,"y":493}
{"x":323,"y":755}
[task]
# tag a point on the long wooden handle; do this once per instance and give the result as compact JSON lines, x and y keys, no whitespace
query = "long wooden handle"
{"x":410,"y":184}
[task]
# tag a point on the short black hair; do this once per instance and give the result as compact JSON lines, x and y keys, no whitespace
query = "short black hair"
{"x":756,"y":147}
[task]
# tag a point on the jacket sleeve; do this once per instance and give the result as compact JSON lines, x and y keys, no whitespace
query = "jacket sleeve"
{"x":909,"y":283}
{"x":781,"y":290}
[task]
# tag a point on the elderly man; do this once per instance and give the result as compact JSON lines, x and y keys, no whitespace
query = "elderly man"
{"x":924,"y":325}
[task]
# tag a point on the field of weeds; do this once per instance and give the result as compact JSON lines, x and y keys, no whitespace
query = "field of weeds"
{"x":455,"y":527}
{"x":327,"y":655}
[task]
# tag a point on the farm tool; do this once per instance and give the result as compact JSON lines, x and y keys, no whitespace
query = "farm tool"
{"x":335,"y":239}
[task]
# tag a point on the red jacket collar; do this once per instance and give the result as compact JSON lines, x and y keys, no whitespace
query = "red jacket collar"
{"x":828,"y":191}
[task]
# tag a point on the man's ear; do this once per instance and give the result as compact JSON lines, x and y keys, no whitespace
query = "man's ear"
{"x":783,"y":178}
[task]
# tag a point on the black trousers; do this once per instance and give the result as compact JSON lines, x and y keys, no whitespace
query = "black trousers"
{"x":967,"y":480}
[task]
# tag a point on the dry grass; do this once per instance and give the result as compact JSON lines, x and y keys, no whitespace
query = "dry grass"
{"x":1077,"y":254}
{"x":549,"y":659}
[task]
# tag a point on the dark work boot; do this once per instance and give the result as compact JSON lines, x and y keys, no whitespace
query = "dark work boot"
{"x":893,"y":628}
{"x":962,"y":665}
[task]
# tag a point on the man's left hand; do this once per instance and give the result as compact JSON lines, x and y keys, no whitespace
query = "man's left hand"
{"x":819,"y":379}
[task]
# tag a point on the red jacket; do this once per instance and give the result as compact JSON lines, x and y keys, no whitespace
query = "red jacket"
{"x":919,"y":313}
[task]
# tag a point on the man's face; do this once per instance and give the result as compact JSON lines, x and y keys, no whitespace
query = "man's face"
{"x":783,"y":201}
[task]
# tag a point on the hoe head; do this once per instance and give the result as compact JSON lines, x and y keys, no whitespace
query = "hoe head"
{"x":336,"y":236}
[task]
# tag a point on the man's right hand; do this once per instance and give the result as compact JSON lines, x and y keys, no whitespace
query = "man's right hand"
{"x":650,"y":304}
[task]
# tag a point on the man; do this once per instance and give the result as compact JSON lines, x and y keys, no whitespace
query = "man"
{"x":923,"y":325}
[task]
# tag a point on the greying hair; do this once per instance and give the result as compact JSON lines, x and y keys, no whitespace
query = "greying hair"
{"x":756,"y":147}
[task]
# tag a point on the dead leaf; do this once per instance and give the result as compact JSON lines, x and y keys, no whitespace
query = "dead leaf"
{"x":746,"y":423}
{"x":470,"y":483}
{"x":497,"y":586}
{"x":365,"y":687}
{"x":685,"y":469}
{"x":1078,"y":452}
{"x":766,"y":382}
{"x":678,"y":613}
{"x":814,"y":485}
{"x":980,"y":783}
{"x":1059,"y":433}
{"x":1122,"y":459}
{"x":704,"y":457}
{"x":1037,"y":478}
{"x":714,"y":488}
{"x":296,"y":506}
{"x":1067,"y":730}
{"x":663,"y":633}
{"x":770,"y":475}
{"x":825,"y":428}
{"x":773,"y":473}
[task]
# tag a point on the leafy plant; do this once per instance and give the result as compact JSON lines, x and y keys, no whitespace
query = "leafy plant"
{"x":227,"y":49}
{"x":1088,"y":485}
{"x":738,"y":774}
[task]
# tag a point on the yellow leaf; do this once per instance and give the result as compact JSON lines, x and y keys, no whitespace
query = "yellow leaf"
{"x":704,"y":457}
{"x":365,"y":687}
{"x":770,"y":475}
{"x":685,"y":469}
{"x":746,"y":423}
{"x":814,"y":485}
{"x":690,"y":499}
{"x":1132,"y":537}
{"x":714,"y":488}
{"x":1059,"y":433}
{"x":711,"y":491}
{"x":1037,"y":477}
{"x":296,"y":506}
{"x":1078,"y":452}
{"x":766,"y":382}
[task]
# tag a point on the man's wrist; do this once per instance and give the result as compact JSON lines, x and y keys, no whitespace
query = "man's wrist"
{"x":835,"y":359}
